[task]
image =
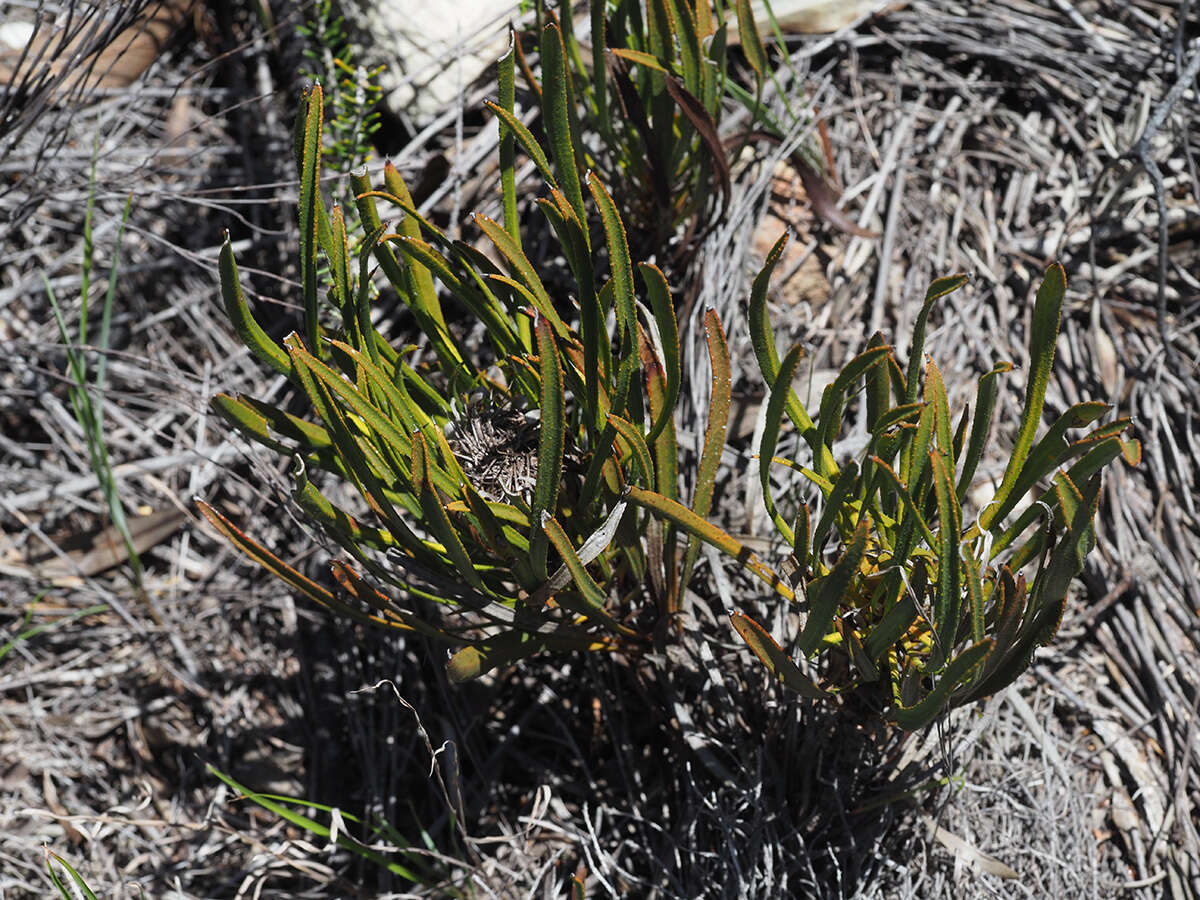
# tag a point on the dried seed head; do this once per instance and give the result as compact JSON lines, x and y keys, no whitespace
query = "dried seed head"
{"x":497,"y":446}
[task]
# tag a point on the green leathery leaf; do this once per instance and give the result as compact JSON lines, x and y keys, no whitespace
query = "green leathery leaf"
{"x":920,"y":714}
{"x":771,"y":655}
{"x":1047,"y":313}
{"x":309,"y":436}
{"x":906,"y":498}
{"x":420,"y":281}
{"x":523,"y":269}
{"x":339,"y":265}
{"x":762,"y":335}
{"x":550,"y":441}
{"x":310,"y":199}
{"x":663,"y":308}
{"x":1051,"y":451}
{"x":527,"y":141}
{"x":935,"y":393}
{"x":368,"y":214}
{"x":719,"y":402}
{"x":857,"y":653}
{"x":247,"y":420}
{"x":558,"y":107}
{"x":618,"y":255}
{"x":666,"y":451}
{"x":947,"y":607}
{"x":673,"y":511}
{"x":985,"y":405}
{"x":780,"y":392}
{"x":975,"y":596}
{"x":752,"y":44}
{"x":891,"y":627}
{"x":878,"y":386}
{"x":350,"y":532}
{"x":835,"y":502}
{"x":1098,"y":456}
{"x":938,"y":289}
{"x":636,"y":441}
{"x":508,"y":177}
{"x":252,"y":336}
{"x":829,"y":418}
{"x":640,"y":58}
{"x":825,"y":594}
{"x":592,"y":594}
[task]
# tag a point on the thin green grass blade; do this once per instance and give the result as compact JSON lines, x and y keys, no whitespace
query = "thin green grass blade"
{"x":52,"y":860}
{"x":316,"y":828}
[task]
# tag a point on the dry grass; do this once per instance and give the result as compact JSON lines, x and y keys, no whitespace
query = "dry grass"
{"x":989,"y":142}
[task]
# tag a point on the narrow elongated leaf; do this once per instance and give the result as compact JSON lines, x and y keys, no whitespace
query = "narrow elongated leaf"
{"x":780,"y":392}
{"x":1047,"y":312}
{"x":527,"y":141}
{"x":676,"y":512}
{"x":1050,"y":452}
{"x":920,"y":714}
{"x":277,"y":567}
{"x":508,"y":178}
{"x":752,"y":44}
{"x":981,"y":425}
{"x":310,"y":199}
{"x":935,"y":394}
{"x":719,"y":401}
{"x":558,"y":108}
{"x":940,"y":288}
{"x":947,"y":608}
{"x":827,"y":593}
{"x":251,"y":334}
{"x":771,"y":655}
{"x":592,"y":594}
{"x":668,"y":332}
{"x":636,"y":442}
{"x":550,"y":440}
{"x":835,"y":502}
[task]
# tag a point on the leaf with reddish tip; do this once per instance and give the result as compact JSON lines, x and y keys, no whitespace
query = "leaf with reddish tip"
{"x":771,"y":655}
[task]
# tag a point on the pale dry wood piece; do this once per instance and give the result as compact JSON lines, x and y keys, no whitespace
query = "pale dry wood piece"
{"x":117,"y":65}
{"x":812,"y":16}
{"x":106,"y":549}
{"x":967,"y":852}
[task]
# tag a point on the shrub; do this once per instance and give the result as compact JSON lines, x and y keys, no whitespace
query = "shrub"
{"x":915,"y":597}
{"x":520,"y":491}
{"x":494,"y":475}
